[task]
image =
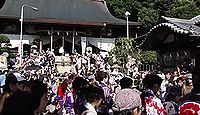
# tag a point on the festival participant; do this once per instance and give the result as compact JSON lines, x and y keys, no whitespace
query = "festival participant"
{"x":188,"y":86}
{"x":190,"y":103}
{"x":127,"y":100}
{"x":151,"y":103}
{"x":164,"y":85}
{"x":173,"y":96}
{"x":19,"y":103}
{"x":103,"y":78}
{"x":93,"y":96}
{"x":180,"y":84}
{"x":68,"y":98}
{"x":61,"y":92}
{"x":79,"y":100}
{"x":11,"y":83}
{"x":39,"y":92}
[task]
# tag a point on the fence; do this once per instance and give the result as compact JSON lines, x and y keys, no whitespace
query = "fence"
{"x":147,"y":67}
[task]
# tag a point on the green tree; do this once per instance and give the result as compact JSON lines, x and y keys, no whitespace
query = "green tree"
{"x":148,"y":17}
{"x":126,"y":47}
{"x":148,"y":57}
{"x":4,"y":39}
{"x":119,"y":7}
{"x":183,"y":9}
{"x":149,"y":12}
{"x":123,"y":48}
{"x":163,"y":6}
{"x":197,"y":3}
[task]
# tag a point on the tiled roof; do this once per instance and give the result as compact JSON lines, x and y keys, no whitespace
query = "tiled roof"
{"x":196,"y":20}
{"x":172,"y":20}
{"x":181,"y":26}
{"x":94,"y":12}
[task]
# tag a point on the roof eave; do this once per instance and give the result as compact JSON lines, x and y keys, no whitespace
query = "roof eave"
{"x":70,"y":22}
{"x":55,"y":21}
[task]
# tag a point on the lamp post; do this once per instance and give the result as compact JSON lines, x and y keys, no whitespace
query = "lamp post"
{"x":73,"y":40}
{"x":21,"y":30}
{"x":127,"y":29}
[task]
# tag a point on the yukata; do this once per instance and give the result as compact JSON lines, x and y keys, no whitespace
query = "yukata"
{"x":60,"y":96}
{"x":107,"y":100}
{"x":66,"y":103}
{"x":152,"y":105}
{"x":190,"y":104}
{"x":171,"y":108}
{"x":79,"y":102}
{"x":69,"y":102}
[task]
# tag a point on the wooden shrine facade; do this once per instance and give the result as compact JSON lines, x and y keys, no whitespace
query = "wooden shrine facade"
{"x":176,"y":41}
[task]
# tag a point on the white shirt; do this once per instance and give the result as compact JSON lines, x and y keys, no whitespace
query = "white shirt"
{"x":91,"y":110}
{"x":163,"y":88}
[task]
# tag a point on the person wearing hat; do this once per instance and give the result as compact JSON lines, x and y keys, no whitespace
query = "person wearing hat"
{"x":127,"y":100}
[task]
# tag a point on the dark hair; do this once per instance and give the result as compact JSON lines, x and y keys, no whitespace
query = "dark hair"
{"x":65,"y":84}
{"x":18,"y":103}
{"x":72,"y":76}
{"x":179,"y":79}
{"x":172,"y":92}
{"x":10,"y":79}
{"x":151,"y":79}
{"x":79,"y":83}
{"x":126,"y":82}
{"x":93,"y":93}
{"x":187,"y":81}
{"x":36,"y":88}
{"x":100,"y":75}
{"x":166,"y":72}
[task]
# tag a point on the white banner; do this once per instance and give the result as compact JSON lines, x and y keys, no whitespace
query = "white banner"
{"x":83,"y":44}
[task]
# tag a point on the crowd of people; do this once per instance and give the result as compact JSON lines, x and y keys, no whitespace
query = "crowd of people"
{"x":93,"y":87}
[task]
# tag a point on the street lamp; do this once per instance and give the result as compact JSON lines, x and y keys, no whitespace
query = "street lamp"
{"x":21,"y":30}
{"x":127,"y":29}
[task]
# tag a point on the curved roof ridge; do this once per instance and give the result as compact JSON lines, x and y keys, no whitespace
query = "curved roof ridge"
{"x":182,"y":29}
{"x":196,"y":19}
{"x":177,"y":20}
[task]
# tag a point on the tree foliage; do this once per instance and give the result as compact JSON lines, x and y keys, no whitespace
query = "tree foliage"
{"x":148,"y":57}
{"x":184,"y":9}
{"x":126,"y":47}
{"x":149,"y":12}
{"x":119,"y":7}
{"x":148,"y":17}
{"x":123,"y":48}
{"x":4,"y":39}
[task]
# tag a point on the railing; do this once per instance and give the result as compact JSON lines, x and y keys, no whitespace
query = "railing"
{"x":147,"y":67}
